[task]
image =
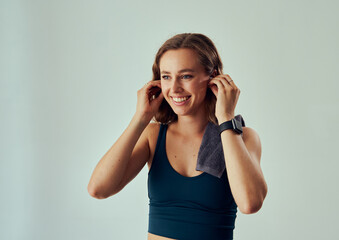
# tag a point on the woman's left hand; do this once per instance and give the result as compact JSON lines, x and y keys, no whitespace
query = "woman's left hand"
{"x":227,"y":94}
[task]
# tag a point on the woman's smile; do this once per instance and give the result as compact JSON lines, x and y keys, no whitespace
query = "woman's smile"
{"x":180,"y":101}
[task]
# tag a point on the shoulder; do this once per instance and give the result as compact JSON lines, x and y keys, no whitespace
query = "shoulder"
{"x":249,"y":133}
{"x":152,"y":130}
{"x":154,"y":126}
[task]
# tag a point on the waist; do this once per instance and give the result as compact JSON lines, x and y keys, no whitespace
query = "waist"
{"x":187,"y":223}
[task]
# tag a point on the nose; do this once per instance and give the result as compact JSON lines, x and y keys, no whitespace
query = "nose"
{"x":176,"y":85}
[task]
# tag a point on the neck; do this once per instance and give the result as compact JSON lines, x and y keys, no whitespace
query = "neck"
{"x":189,"y":126}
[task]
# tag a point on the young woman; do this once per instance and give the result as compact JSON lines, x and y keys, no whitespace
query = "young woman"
{"x":188,"y":90}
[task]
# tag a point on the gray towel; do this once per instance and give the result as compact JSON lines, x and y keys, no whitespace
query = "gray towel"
{"x":211,"y":155}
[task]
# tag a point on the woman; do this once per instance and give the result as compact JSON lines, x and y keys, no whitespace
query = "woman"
{"x":187,"y":92}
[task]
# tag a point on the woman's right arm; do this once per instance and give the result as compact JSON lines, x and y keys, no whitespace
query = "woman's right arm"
{"x":109,"y":171}
{"x":130,"y":152}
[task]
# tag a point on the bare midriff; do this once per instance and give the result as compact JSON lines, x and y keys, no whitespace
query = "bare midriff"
{"x":152,"y":236}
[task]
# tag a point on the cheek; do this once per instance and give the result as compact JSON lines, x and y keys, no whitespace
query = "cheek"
{"x":199,"y":89}
{"x":166,"y":87}
{"x":164,"y":90}
{"x":201,"y":92}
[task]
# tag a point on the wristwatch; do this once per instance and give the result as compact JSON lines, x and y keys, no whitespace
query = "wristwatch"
{"x":233,"y":124}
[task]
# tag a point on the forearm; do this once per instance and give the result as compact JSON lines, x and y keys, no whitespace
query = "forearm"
{"x":244,"y":174}
{"x":110,"y":169}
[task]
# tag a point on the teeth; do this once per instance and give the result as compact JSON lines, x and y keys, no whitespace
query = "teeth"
{"x":180,"y":99}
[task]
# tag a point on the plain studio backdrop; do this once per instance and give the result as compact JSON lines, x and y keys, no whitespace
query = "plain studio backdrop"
{"x":70,"y":71}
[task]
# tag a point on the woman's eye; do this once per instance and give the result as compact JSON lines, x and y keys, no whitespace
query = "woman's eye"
{"x":166,"y":77}
{"x":190,"y":76}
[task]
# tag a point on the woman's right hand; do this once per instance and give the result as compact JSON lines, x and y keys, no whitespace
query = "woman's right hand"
{"x":147,"y":106}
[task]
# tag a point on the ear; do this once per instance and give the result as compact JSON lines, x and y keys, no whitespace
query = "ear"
{"x":214,"y":73}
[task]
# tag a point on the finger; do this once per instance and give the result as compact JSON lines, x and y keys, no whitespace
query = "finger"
{"x":225,"y":83}
{"x":152,"y":87}
{"x":154,"y":90}
{"x":152,"y":83}
{"x":219,"y":84}
{"x":230,"y":81}
{"x":156,"y":94}
{"x":214,"y":89}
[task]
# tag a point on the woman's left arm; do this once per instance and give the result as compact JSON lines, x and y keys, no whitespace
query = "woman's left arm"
{"x":242,"y":153}
{"x":242,"y":159}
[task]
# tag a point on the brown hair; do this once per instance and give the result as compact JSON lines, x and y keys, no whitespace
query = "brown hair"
{"x":207,"y":56}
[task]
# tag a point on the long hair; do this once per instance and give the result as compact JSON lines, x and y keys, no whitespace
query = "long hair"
{"x":208,"y":57}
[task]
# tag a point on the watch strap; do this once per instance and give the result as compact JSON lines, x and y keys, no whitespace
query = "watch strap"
{"x":225,"y":125}
{"x":235,"y":124}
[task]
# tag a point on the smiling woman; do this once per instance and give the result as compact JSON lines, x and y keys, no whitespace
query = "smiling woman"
{"x":179,"y":88}
{"x":188,"y":91}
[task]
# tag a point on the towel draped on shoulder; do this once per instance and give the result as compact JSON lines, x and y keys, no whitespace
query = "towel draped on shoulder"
{"x":211,"y":155}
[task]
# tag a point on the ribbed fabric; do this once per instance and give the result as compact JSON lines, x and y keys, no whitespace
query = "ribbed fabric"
{"x":188,"y":208}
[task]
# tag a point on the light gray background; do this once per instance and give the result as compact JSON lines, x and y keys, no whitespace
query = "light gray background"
{"x":70,"y":71}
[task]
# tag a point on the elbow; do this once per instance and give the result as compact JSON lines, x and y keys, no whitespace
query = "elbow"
{"x":253,"y":205}
{"x":251,"y":208}
{"x":95,"y":193}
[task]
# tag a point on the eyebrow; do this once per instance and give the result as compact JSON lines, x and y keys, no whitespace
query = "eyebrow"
{"x":182,"y":70}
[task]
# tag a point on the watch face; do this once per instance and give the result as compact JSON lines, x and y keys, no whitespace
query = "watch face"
{"x":237,"y":126}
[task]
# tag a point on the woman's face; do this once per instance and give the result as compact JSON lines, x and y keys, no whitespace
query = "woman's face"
{"x":183,"y":80}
